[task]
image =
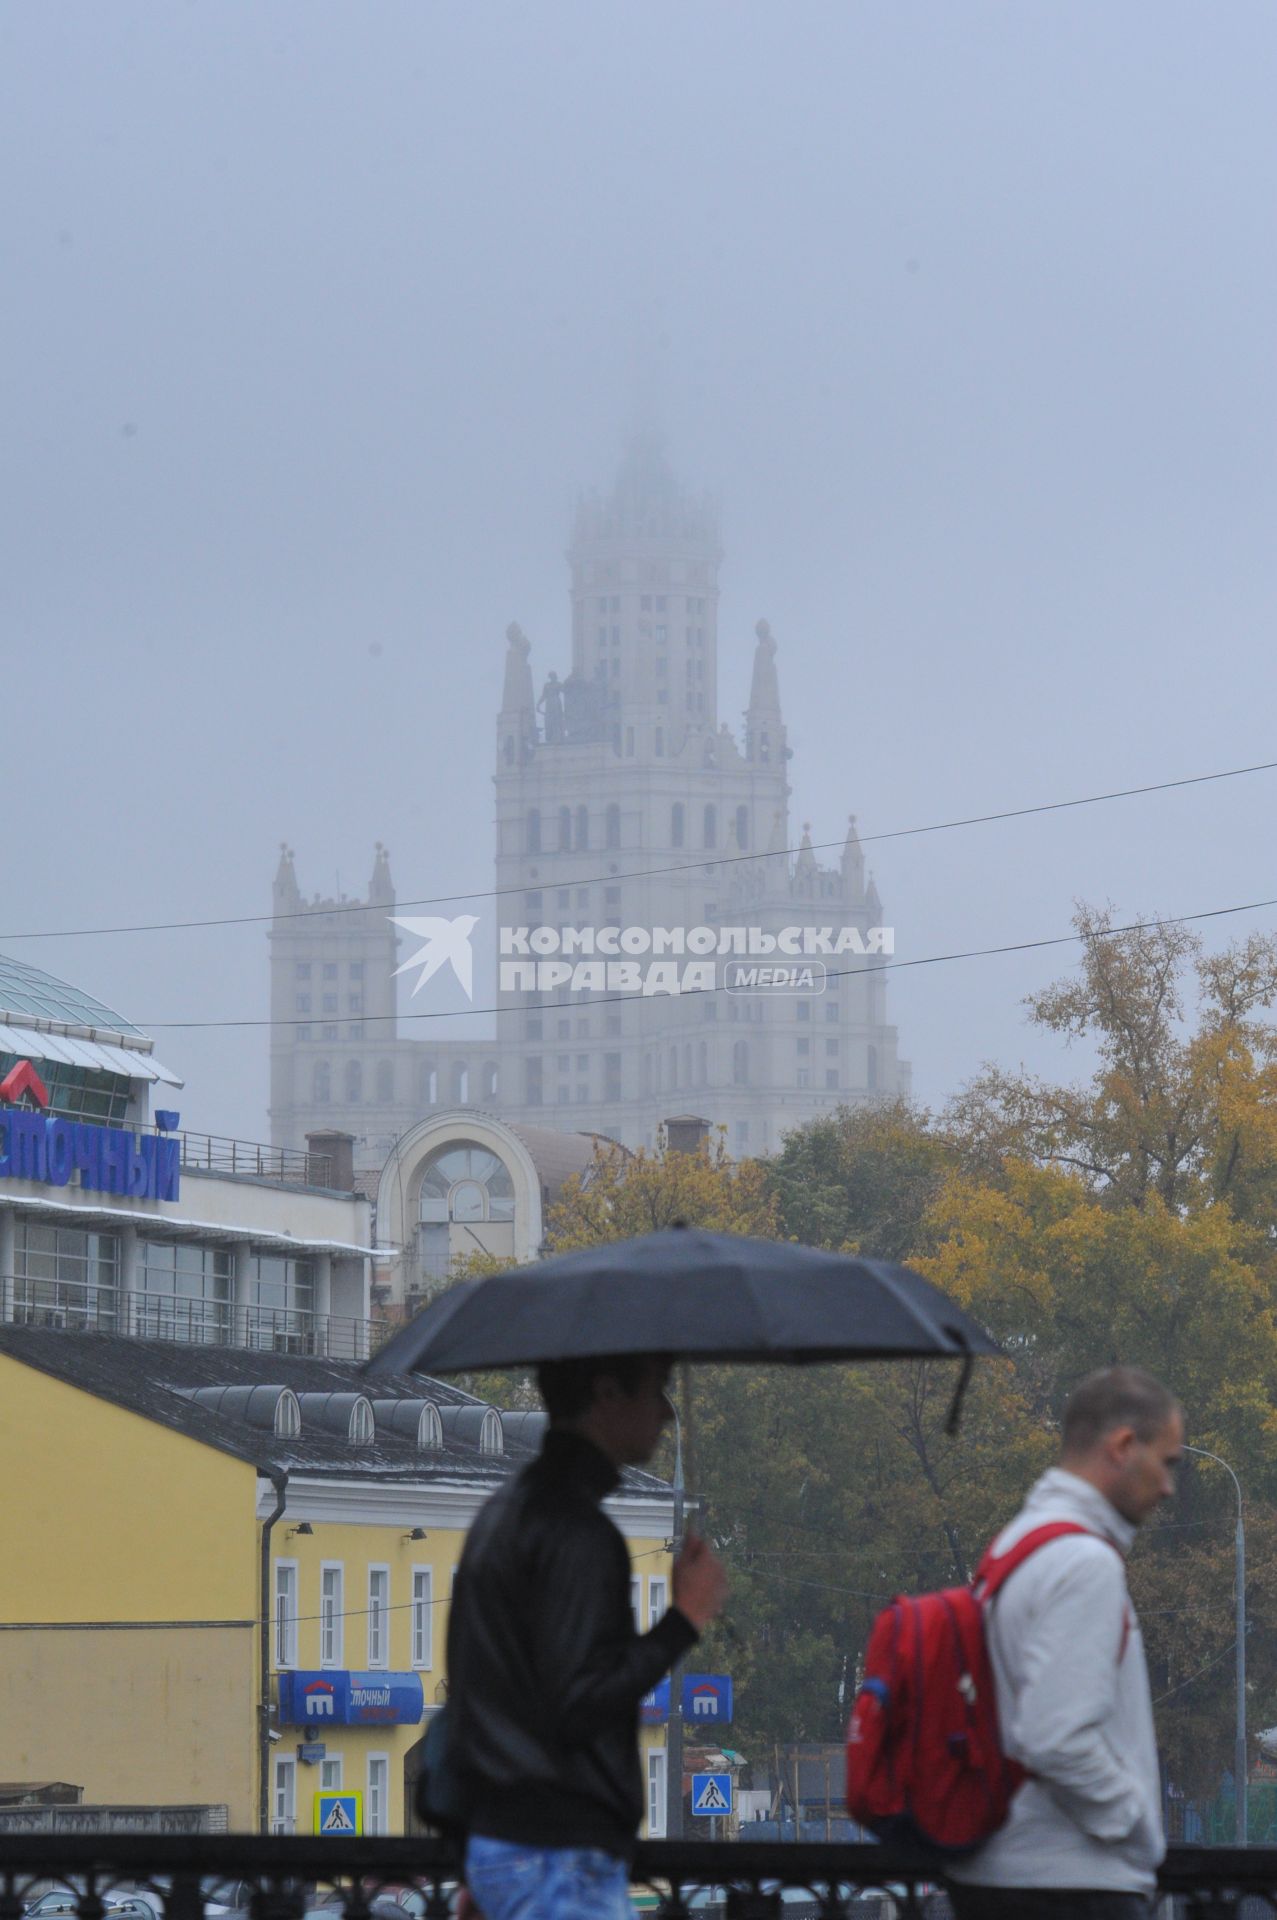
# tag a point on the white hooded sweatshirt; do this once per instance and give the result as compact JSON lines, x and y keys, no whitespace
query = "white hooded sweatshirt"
{"x":1073,"y":1707}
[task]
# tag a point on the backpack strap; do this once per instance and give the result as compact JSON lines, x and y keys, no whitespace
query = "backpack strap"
{"x":995,"y":1569}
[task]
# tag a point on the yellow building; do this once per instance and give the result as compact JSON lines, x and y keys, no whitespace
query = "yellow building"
{"x":227,"y":1572}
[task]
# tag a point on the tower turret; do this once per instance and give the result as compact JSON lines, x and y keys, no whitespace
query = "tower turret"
{"x":764,"y":728}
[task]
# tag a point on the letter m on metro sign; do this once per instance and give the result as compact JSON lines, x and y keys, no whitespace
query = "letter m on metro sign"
{"x":707,"y":1699}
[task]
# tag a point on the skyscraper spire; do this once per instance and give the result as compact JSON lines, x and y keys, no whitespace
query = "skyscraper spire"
{"x":764,"y":728}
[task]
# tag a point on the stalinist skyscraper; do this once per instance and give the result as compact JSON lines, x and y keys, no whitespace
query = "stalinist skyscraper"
{"x":624,"y":808}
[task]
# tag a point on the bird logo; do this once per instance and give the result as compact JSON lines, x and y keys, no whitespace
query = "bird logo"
{"x":445,"y":943}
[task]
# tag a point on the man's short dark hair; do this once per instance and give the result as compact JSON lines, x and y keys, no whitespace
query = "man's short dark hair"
{"x":1115,"y":1397}
{"x":567,"y":1386}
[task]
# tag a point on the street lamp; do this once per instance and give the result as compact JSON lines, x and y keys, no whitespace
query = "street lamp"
{"x":1239,"y":1757}
{"x":674,"y":1734}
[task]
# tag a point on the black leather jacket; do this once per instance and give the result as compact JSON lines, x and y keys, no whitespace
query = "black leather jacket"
{"x":545,"y":1667}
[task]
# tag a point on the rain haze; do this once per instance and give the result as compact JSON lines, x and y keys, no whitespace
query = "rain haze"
{"x":319,"y":318}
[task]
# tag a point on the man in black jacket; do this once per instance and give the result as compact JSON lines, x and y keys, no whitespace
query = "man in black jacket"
{"x":546,"y":1669}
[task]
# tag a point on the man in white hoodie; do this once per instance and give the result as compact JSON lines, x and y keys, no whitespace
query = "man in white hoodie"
{"x":1084,"y":1835}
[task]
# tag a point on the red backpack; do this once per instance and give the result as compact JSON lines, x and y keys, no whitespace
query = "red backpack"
{"x":925,"y":1766}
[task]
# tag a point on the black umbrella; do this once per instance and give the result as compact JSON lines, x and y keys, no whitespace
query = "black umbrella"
{"x":694,"y":1295}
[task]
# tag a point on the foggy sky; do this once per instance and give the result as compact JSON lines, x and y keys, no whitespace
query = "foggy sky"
{"x":317,"y":317}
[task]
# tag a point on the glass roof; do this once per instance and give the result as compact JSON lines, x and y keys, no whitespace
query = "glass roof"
{"x":25,"y":990}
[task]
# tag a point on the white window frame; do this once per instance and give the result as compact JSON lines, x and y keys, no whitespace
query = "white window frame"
{"x":636,"y":1600}
{"x":658,"y":1598}
{"x":284,"y":1803}
{"x":379,"y":1617}
{"x":285,"y":1641}
{"x":332,"y":1627}
{"x":421,"y":1617}
{"x":330,"y":1773}
{"x":377,"y":1820}
{"x":657,"y":1791}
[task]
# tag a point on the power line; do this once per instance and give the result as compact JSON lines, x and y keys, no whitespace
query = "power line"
{"x":647,"y":873}
{"x":831,"y":973}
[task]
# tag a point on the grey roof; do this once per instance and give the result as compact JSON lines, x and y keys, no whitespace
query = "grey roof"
{"x":148,"y":1377}
{"x":557,"y":1156}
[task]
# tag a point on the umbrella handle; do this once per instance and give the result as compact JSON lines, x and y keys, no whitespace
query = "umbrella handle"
{"x":955,"y":1410}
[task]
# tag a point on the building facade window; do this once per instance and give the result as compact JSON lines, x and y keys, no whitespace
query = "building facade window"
{"x":183,"y":1292}
{"x":378,"y":1616}
{"x":284,"y":1798}
{"x":656,"y":1775}
{"x":323,"y":1083}
{"x":279,"y":1301}
{"x":464,"y":1184}
{"x":63,"y":1277}
{"x":331,"y":1615}
{"x":658,"y":1598}
{"x":377,"y":1811}
{"x":422,"y":1617}
{"x":285,"y":1613}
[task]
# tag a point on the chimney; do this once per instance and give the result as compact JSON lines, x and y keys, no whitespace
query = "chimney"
{"x":685,"y":1133}
{"x":339,"y":1150}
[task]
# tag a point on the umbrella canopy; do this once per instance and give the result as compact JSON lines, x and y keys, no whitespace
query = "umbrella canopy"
{"x":694,"y":1295}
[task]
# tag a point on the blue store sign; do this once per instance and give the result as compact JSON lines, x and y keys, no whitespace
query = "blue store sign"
{"x":655,"y":1706}
{"x":707,"y":1698}
{"x":336,"y":1698}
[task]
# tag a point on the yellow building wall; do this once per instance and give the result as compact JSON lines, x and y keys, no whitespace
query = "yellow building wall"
{"x":358,"y":1548}
{"x":112,"y":1526}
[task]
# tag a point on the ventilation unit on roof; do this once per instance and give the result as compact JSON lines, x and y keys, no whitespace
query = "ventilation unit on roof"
{"x":416,"y":1421}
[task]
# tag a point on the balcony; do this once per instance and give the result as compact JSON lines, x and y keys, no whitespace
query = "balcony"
{"x":86,"y":1308}
{"x":674,"y":1880}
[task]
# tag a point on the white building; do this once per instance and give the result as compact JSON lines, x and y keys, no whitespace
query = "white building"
{"x":116,"y":1218}
{"x":624,"y":805}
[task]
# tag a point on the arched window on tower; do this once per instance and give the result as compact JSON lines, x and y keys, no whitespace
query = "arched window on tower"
{"x":711,"y":826}
{"x":490,"y":1080}
{"x":740,"y":1063}
{"x":532,"y":833}
{"x":427,"y":1085}
{"x":676,"y":824}
{"x":565,"y":829}
{"x":323,"y":1083}
{"x":582,"y":829}
{"x":354,"y":1082}
{"x":742,"y":827}
{"x":613,"y":828}
{"x":460,"y":1083}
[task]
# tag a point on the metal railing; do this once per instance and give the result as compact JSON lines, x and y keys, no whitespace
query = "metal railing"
{"x":219,"y":1153}
{"x":186,"y":1320}
{"x":276,"y":1878}
{"x":289,"y":1166}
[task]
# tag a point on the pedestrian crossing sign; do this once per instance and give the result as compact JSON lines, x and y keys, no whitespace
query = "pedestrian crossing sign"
{"x":339,"y":1813}
{"x":711,"y":1793}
